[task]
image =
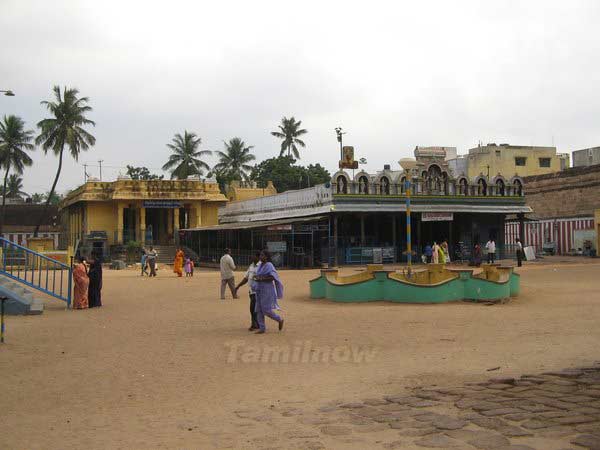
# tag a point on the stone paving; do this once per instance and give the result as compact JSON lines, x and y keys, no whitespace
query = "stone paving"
{"x":553,"y":410}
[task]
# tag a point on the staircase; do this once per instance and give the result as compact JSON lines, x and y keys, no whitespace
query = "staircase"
{"x":20,"y":300}
{"x":166,"y":253}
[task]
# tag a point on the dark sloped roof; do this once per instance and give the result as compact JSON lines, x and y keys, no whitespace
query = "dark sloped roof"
{"x":29,"y":215}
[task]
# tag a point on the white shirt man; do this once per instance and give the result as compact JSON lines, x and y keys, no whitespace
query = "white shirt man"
{"x":227,"y":279}
{"x":491,"y":249}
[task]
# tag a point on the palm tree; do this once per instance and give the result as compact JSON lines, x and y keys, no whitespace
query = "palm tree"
{"x":64,"y":129}
{"x":37,"y":198}
{"x":289,"y":132}
{"x":186,"y":156}
{"x":233,"y":163}
{"x":14,"y":142}
{"x":14,"y":186}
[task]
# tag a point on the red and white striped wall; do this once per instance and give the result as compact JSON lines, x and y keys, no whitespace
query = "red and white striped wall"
{"x":560,"y":231}
{"x":21,"y":238}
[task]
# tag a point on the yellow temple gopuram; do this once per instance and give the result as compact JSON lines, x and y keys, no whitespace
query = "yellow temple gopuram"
{"x":145,"y":211}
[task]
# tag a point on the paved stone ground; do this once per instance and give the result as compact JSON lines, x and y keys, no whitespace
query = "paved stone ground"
{"x":554,"y":410}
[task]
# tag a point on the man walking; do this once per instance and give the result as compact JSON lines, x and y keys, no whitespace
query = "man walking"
{"x":151,"y":260}
{"x":227,"y":268}
{"x":491,"y":249}
{"x":519,"y":253}
{"x":249,"y":278}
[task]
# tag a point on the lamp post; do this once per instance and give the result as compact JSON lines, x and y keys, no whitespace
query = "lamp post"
{"x":340,"y":133}
{"x":408,"y":165}
{"x":8,"y":93}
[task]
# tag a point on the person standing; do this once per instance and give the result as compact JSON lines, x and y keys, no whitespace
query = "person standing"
{"x":491,"y":249}
{"x":446,"y":251}
{"x":268,"y":288}
{"x":144,"y":271}
{"x":519,"y":253}
{"x":95,"y":287}
{"x":249,"y":278}
{"x":80,"y":291}
{"x":428,"y":253}
{"x":435,"y":257}
{"x":187,"y":267}
{"x":477,"y":255}
{"x":178,"y":263}
{"x":151,"y":260}
{"x":227,"y":279}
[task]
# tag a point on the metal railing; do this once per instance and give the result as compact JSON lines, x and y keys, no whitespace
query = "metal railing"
{"x":36,"y":270}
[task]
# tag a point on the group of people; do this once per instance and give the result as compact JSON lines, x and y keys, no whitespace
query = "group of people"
{"x":265,"y":288}
{"x":436,"y":254}
{"x":149,"y":261}
{"x":87,"y":277}
{"x":183,"y":264}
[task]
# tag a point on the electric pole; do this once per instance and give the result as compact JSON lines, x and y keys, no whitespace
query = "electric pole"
{"x":85,"y":173}
{"x":100,"y":161}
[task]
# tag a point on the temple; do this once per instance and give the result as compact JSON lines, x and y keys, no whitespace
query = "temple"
{"x":361,"y":218}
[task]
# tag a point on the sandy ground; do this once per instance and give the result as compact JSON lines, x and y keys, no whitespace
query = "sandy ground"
{"x":154,"y":368}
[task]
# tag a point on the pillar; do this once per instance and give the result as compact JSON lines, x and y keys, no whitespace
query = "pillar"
{"x":143,"y":225}
{"x":521,"y":218}
{"x":196,"y":215}
{"x":335,"y":240}
{"x":119,"y":237}
{"x":362,"y":230}
{"x":394,"y":236}
{"x":176,"y":225}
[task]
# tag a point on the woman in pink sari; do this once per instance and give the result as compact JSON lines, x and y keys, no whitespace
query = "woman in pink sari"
{"x":80,"y":277}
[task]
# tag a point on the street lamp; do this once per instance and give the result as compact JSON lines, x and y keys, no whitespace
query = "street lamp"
{"x":9,"y":93}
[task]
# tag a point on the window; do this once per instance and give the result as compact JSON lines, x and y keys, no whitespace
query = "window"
{"x":544,"y":162}
{"x":520,"y":160}
{"x":498,"y":154}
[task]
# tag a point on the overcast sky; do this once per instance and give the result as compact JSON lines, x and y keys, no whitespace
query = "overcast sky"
{"x":393,"y":74}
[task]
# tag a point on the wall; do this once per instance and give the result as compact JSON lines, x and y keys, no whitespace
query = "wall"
{"x":573,"y":192}
{"x":501,"y":159}
{"x":209,"y":213}
{"x":586,"y":157}
{"x":235,"y":192}
{"x":102,"y":216}
{"x":597,"y":227}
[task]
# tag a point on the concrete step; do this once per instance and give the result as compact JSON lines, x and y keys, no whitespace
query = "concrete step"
{"x":20,"y":300}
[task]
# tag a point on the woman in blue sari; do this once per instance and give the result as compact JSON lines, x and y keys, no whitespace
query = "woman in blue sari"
{"x":268,"y":288}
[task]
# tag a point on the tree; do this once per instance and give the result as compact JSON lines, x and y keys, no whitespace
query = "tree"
{"x":64,"y":129}
{"x":233,"y":163}
{"x":142,"y":173}
{"x":14,"y":144}
{"x":289,"y":131}
{"x":37,"y":198}
{"x":287,"y":176}
{"x":54,"y":198}
{"x":186,"y":156}
{"x":14,"y":187}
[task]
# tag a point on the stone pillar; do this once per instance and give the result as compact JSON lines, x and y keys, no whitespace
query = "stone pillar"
{"x":119,"y":237}
{"x":335,"y":240}
{"x":521,"y":218}
{"x":196,"y":215}
{"x":176,"y":225}
{"x":394,"y":235}
{"x":143,"y":225}
{"x":362,"y":230}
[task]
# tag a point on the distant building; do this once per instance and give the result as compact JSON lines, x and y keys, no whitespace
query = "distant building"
{"x":586,"y":157}
{"x":440,"y":151}
{"x":514,"y":160}
{"x":238,"y":191}
{"x":21,"y":219}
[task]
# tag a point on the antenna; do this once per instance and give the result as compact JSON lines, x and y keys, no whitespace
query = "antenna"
{"x":100,"y":161}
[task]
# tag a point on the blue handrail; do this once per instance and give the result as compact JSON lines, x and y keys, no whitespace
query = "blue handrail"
{"x":25,"y":265}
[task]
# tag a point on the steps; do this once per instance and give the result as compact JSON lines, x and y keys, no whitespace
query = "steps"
{"x":166,"y":254}
{"x":20,"y":299}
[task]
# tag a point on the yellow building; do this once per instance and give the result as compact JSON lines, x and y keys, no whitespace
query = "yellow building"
{"x":147,"y":211}
{"x":512,"y":160}
{"x":238,"y":191}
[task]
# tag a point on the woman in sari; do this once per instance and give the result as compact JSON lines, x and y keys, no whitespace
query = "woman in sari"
{"x":80,"y":277}
{"x":268,"y":289}
{"x":95,"y":287}
{"x":178,"y":263}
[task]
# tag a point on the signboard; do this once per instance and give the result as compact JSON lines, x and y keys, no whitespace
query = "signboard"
{"x":347,"y":161}
{"x":377,"y":255}
{"x":280,"y":228}
{"x":170,"y":204}
{"x":437,"y":216}
{"x":277,"y":246}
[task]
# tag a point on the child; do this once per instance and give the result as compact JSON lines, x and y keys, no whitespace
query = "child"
{"x":188,"y":266}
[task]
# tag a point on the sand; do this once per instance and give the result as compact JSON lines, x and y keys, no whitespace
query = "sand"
{"x":153,"y":367}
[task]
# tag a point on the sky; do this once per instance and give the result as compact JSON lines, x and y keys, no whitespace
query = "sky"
{"x":392,"y":74}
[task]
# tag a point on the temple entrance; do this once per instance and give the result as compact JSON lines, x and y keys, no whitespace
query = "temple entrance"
{"x":435,"y":231}
{"x":157,"y":226}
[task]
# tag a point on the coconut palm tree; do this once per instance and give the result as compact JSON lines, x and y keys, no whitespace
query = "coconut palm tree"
{"x":233,"y":162}
{"x":64,"y":129}
{"x":14,"y":144}
{"x":289,"y":131}
{"x":14,"y":187}
{"x":186,"y":158}
{"x":37,"y":198}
